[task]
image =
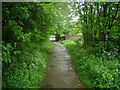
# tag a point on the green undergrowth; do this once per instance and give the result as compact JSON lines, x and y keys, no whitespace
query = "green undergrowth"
{"x":94,"y":71}
{"x":28,"y":68}
{"x":67,"y":42}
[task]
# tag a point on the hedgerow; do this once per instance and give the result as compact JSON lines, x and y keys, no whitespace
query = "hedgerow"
{"x":25,"y":45}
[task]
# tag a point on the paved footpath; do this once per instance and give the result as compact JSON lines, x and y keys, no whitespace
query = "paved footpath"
{"x":60,"y":72}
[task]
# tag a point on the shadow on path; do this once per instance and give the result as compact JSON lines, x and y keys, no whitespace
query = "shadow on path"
{"x":60,"y":71}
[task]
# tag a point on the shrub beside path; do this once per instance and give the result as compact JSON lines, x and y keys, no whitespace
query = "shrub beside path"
{"x":60,"y":72}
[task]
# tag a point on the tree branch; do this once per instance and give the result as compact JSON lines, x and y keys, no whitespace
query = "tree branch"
{"x":116,"y":21}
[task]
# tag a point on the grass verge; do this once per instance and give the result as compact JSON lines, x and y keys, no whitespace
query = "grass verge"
{"x":28,"y":68}
{"x":94,"y":71}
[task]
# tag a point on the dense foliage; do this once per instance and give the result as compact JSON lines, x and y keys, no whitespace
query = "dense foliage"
{"x":94,"y":71}
{"x":27,"y":27}
{"x":100,"y":24}
{"x":27,"y":69}
{"x":25,"y":50}
{"x":96,"y":57}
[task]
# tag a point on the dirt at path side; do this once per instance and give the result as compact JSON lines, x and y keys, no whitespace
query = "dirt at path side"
{"x":60,"y":72}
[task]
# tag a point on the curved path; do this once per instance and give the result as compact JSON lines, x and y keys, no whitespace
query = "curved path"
{"x":60,"y":71}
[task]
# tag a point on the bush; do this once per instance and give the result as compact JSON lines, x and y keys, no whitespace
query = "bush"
{"x":27,"y":69}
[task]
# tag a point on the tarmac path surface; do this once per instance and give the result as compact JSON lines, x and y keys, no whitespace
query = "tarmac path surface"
{"x":60,"y":72}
